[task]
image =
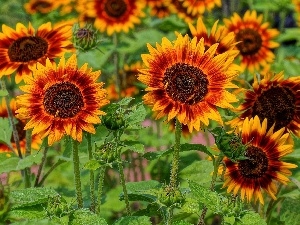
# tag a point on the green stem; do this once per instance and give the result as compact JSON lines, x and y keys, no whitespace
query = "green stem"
{"x":170,"y":217}
{"x":11,"y":120}
{"x":271,"y":205}
{"x":212,"y":186}
{"x":175,"y":161}
{"x":49,"y":171}
{"x":92,"y":177}
{"x":41,"y":165}
{"x":77,"y":174}
{"x":100,"y":188}
{"x":122,"y":180}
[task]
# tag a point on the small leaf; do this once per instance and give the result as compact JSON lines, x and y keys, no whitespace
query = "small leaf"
{"x":125,"y":101}
{"x":31,"y":196}
{"x":142,"y":185}
{"x":9,"y":164}
{"x":29,"y":212}
{"x":182,"y":222}
{"x":133,"y":220}
{"x":137,"y":115}
{"x":86,"y":217}
{"x":253,"y":218}
{"x":289,"y":212}
{"x":134,"y":146}
{"x":92,"y":165}
{"x":30,"y":160}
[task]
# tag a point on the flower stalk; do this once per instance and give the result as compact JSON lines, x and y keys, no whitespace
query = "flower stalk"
{"x":77,"y":174}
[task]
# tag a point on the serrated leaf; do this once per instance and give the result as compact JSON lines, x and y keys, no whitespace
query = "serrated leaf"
{"x":137,"y":115}
{"x":133,"y":220}
{"x":92,"y":165}
{"x":252,"y":218}
{"x":182,"y":222}
{"x":142,"y":185}
{"x":30,"y":160}
{"x":134,"y":146}
{"x":156,"y":154}
{"x":124,"y":101}
{"x":9,"y":164}
{"x":35,"y":222}
{"x":198,"y":171}
{"x":289,"y":212}
{"x":31,"y":196}
{"x":209,"y":198}
{"x":229,"y":220}
{"x":34,"y":212}
{"x":191,"y":205}
{"x":86,"y":217}
{"x":140,"y":197}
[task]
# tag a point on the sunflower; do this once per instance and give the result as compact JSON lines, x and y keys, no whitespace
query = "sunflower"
{"x":40,"y":6}
{"x":159,"y":8}
{"x":218,"y":34}
{"x":35,"y":142}
{"x":62,"y":100}
{"x":196,"y":7}
{"x":255,"y":39}
{"x":274,"y":98}
{"x":263,"y":167}
{"x":177,"y":8}
{"x":22,"y":48}
{"x":114,"y":16}
{"x":187,"y":82}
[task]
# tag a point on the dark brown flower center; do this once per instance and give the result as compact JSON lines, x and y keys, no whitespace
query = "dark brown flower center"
{"x":278,"y":105}
{"x":21,"y":132}
{"x":26,"y":49}
{"x":185,"y":83}
{"x":115,"y":8}
{"x":250,"y":41}
{"x":40,"y":5}
{"x":63,"y":100}
{"x":256,"y":165}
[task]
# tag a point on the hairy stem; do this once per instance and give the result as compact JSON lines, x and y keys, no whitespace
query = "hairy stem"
{"x":92,"y":177}
{"x":100,"y":188}
{"x":122,"y":180}
{"x":77,"y":175}
{"x":175,"y":161}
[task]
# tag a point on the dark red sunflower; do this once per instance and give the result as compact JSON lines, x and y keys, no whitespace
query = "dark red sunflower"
{"x":22,"y":48}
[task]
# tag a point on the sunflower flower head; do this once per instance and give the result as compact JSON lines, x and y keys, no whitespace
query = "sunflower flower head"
{"x":255,"y":39}
{"x":113,"y":16}
{"x":22,"y":48}
{"x":274,"y":98}
{"x":196,"y":7}
{"x":263,"y":166}
{"x":218,"y":34}
{"x":62,"y":100}
{"x":187,"y":82}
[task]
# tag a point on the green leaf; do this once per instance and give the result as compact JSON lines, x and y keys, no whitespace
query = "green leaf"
{"x":209,"y":198}
{"x":134,"y":146}
{"x":140,"y":197}
{"x":198,"y":171}
{"x":196,"y":147}
{"x":253,"y":218}
{"x":137,"y":115}
{"x":191,"y":205}
{"x":9,"y":164}
{"x":142,"y":185}
{"x":182,"y":222}
{"x":156,"y":154}
{"x":124,"y":101}
{"x":5,"y":131}
{"x":3,"y":93}
{"x":35,"y":222}
{"x":30,"y":160}
{"x":229,"y":220}
{"x":92,"y":165}
{"x":289,"y":212}
{"x":133,"y":220}
{"x":34,"y":212}
{"x":31,"y":196}
{"x":86,"y":217}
